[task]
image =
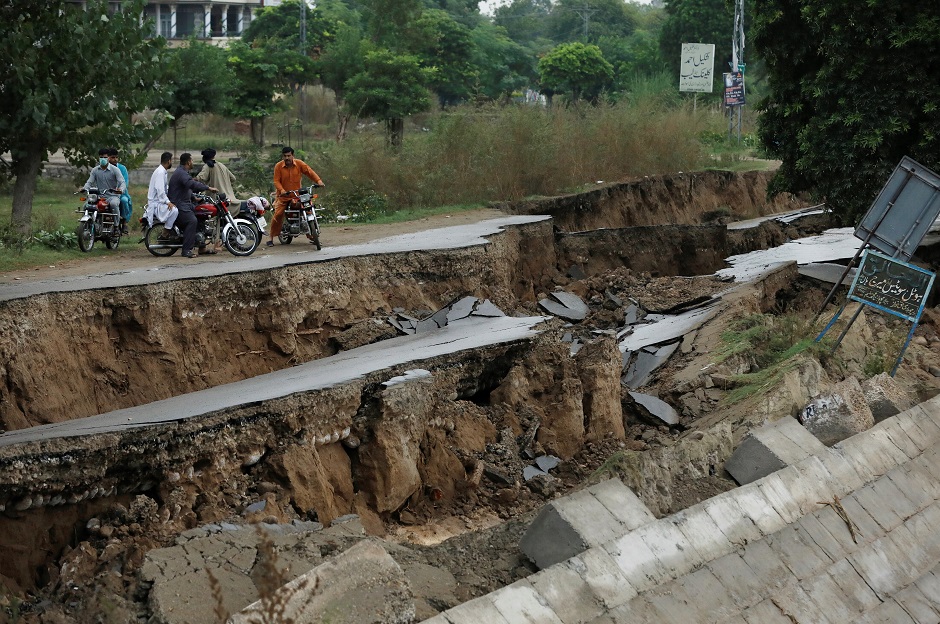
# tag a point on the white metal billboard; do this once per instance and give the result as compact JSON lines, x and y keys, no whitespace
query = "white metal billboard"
{"x":697,"y":67}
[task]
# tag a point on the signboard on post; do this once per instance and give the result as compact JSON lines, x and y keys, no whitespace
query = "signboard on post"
{"x":734,"y":88}
{"x":904,"y":210}
{"x":889,"y":285}
{"x":696,"y":67}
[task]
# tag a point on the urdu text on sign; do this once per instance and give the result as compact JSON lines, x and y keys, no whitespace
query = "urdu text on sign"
{"x":697,"y":67}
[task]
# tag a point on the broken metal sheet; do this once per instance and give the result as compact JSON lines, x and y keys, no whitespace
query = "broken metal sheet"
{"x":567,"y":337}
{"x":488,"y":309}
{"x":835,"y":244}
{"x":632,"y":314}
{"x":827,"y":272}
{"x":547,"y":462}
{"x":569,"y":300}
{"x":648,"y":360}
{"x":462,"y":308}
{"x":553,"y":307}
{"x":576,"y":346}
{"x":668,"y":328}
{"x":614,"y":299}
{"x":657,"y":407}
{"x":530,"y":472}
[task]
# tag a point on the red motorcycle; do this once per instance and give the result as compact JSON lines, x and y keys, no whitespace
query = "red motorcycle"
{"x":97,"y":222}
{"x":213,"y":224}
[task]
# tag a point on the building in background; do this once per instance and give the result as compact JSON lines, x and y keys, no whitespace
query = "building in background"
{"x":216,"y":20}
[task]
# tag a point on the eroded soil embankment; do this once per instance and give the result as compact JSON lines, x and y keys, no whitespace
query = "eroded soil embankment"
{"x":681,"y":198}
{"x":123,"y":347}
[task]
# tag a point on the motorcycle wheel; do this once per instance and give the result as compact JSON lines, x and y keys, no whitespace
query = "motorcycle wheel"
{"x":248,"y":245}
{"x":86,"y":235}
{"x":113,"y":241}
{"x":285,"y":238}
{"x":154,"y":246}
{"x":315,"y":239}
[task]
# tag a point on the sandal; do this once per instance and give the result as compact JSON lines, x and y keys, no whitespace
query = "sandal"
{"x":269,"y":244}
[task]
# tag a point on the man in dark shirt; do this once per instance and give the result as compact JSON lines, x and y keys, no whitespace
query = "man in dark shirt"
{"x":180,"y":192}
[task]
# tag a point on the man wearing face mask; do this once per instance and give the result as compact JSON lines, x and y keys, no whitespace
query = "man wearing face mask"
{"x":180,"y":193}
{"x":127,"y":207}
{"x":108,"y":180}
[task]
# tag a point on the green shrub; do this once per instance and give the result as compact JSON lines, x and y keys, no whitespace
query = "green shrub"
{"x":58,"y":239}
{"x":360,"y":204}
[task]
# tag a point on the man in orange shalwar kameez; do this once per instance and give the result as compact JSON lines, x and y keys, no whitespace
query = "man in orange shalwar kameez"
{"x":287,"y":176}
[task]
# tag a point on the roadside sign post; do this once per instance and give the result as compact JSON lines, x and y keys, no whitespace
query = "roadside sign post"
{"x":696,"y":68}
{"x":734,"y":97}
{"x":889,"y":285}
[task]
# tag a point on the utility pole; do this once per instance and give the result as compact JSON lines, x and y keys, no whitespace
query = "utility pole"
{"x":585,"y":12}
{"x":737,"y":51}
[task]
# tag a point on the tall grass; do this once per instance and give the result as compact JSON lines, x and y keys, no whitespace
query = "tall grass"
{"x":508,"y":153}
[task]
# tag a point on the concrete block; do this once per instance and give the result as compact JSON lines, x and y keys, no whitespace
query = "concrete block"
{"x":622,"y":503}
{"x":885,"y":397}
{"x":884,"y":566}
{"x":878,"y":508}
{"x":770,"y":448}
{"x":925,"y":423}
{"x":702,"y":532}
{"x":673,"y":550}
{"x":673,"y":605}
{"x":813,"y":484}
{"x":916,"y":604}
{"x":606,"y":580}
{"x":755,"y":506}
{"x":803,"y":559}
{"x":709,"y":596}
{"x":766,"y":564}
{"x":363,"y":584}
{"x":765,"y":612}
{"x":730,"y":519}
{"x":739,"y":581}
{"x":833,"y":523}
{"x":889,"y":612}
{"x":568,"y":526}
{"x":798,"y":605}
{"x":876,"y":453}
{"x":565,"y":591}
{"x":637,"y":611}
{"x":778,"y":494}
{"x":830,"y":598}
{"x":925,"y":527}
{"x":519,"y":603}
{"x":899,"y":437}
{"x":856,"y":593}
{"x":923,"y":437}
{"x":922,"y":471}
{"x":838,"y":415}
{"x":843,"y":471}
{"x":475,"y":611}
{"x":866,"y":528}
{"x":636,"y":561}
{"x":910,"y":486}
{"x":929,"y":586}
{"x":820,"y":535}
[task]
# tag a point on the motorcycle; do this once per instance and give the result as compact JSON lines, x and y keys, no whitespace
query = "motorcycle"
{"x":255,"y":214}
{"x":300,"y":217}
{"x":97,"y":222}
{"x":213,"y":223}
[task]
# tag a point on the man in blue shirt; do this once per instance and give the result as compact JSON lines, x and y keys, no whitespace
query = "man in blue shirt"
{"x":127,"y":208}
{"x":108,"y":180}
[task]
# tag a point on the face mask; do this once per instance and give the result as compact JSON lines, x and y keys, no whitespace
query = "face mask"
{"x":103,"y":162}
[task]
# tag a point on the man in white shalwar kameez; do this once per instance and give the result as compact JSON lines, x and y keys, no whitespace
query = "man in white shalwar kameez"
{"x":159,"y":206}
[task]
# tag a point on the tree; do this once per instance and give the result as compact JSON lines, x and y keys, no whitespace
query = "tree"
{"x":340,"y":61}
{"x":853,"y":87}
{"x":440,"y":42}
{"x":278,"y":26}
{"x":525,"y":21}
{"x":71,"y":79}
{"x":196,"y":79}
{"x":503,"y":65}
{"x":262,"y":74}
{"x":576,"y":69}
{"x":390,"y":87}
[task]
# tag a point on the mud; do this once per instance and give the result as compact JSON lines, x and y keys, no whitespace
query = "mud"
{"x":77,"y":516}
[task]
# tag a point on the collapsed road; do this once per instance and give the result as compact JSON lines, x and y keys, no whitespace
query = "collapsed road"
{"x":282,"y":390}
